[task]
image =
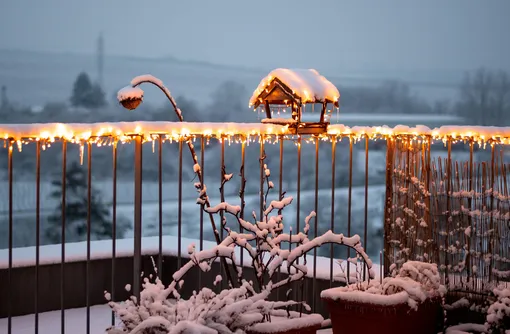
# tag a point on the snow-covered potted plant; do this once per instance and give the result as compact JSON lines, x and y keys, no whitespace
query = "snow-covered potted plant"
{"x":408,"y":302}
{"x":495,"y":310}
{"x":244,"y":307}
{"x":498,"y":314}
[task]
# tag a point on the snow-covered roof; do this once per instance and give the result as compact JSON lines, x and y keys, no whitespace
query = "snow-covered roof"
{"x":308,"y":84}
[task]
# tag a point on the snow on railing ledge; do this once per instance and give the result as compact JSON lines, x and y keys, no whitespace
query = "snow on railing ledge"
{"x":453,"y":132}
{"x":102,"y":249}
{"x":124,"y":131}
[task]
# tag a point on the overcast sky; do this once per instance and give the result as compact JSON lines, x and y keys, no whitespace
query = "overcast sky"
{"x":332,"y":34}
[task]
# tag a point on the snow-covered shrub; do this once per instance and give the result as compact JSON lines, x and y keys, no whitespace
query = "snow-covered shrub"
{"x":244,"y":303}
{"x":498,"y":314}
{"x":229,"y":311}
{"x":414,"y":283}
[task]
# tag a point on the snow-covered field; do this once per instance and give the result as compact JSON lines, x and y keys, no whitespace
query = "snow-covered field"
{"x":24,"y":197}
{"x":191,"y":211}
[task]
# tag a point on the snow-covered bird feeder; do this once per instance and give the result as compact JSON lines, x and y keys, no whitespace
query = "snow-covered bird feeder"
{"x":286,"y":93}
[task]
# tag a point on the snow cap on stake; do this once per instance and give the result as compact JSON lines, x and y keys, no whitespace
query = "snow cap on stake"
{"x":130,"y":97}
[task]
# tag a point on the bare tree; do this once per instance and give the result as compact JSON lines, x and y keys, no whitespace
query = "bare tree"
{"x":485,"y":97}
{"x":501,"y":92}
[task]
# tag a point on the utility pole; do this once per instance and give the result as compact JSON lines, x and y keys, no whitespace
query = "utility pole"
{"x":100,"y":59}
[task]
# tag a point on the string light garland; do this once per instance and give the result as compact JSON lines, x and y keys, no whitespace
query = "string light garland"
{"x":107,"y":134}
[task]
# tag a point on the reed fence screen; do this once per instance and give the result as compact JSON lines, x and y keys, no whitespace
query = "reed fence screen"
{"x":450,"y":210}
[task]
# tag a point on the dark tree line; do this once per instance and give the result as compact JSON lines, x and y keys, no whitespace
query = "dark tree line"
{"x":485,"y":97}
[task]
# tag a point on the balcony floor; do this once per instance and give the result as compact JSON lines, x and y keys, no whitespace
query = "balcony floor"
{"x":49,"y":322}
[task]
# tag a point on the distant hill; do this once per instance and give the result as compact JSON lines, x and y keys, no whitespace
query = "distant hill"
{"x":34,"y":78}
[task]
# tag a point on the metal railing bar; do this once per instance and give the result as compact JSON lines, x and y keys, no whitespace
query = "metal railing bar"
{"x":9,"y":297}
{"x":63,"y":237}
{"x":349,"y":210}
{"x":37,"y":230}
{"x":160,"y":207}
{"x":332,"y":223}
{"x":114,"y":222}
{"x":261,"y":194}
{"x":137,"y":254}
{"x":201,"y":245}
{"x":298,"y":187}
{"x":89,"y":223}
{"x":179,"y":210}
{"x":365,"y":229}
{"x":298,"y":202}
{"x":316,"y":222}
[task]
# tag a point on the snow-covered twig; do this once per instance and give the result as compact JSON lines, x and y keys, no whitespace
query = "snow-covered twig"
{"x":196,"y":166}
{"x":268,"y":236}
{"x":237,"y":307}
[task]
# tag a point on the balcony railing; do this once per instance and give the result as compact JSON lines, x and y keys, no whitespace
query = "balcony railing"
{"x":412,"y":183}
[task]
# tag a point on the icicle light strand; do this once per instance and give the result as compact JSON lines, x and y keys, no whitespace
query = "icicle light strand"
{"x":106,"y":134}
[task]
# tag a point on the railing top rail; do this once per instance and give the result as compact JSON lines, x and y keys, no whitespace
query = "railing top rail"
{"x":125,"y":131}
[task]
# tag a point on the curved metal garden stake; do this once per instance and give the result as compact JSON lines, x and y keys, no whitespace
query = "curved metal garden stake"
{"x":158,"y":83}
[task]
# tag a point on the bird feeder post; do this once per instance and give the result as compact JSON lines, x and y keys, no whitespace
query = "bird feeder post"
{"x":268,"y":109}
{"x":323,"y":111}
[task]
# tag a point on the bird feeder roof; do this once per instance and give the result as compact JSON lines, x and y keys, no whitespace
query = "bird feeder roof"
{"x":304,"y":85}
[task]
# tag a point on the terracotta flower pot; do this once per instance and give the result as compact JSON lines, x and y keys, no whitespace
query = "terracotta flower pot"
{"x":308,"y":324}
{"x":362,"y":317}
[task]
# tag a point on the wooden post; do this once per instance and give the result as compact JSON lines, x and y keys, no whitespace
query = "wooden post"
{"x":268,"y":109}
{"x":388,"y":201}
{"x":323,"y":111}
{"x":428,"y":217}
{"x":296,"y":108}
{"x":448,"y":211}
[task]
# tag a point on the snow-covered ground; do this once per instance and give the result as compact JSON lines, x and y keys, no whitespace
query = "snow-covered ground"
{"x":75,"y":321}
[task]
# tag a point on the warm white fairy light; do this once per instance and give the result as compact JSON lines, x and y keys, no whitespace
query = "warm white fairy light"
{"x":108,"y":134}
